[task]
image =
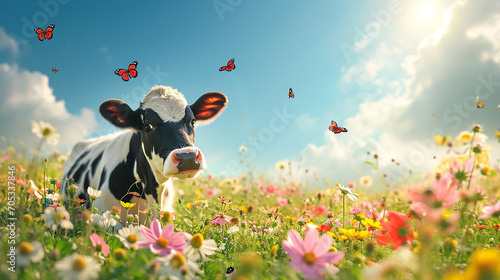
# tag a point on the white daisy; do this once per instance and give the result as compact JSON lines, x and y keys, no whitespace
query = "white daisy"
{"x":105,"y":220}
{"x":29,"y":252}
{"x":178,"y":267}
{"x":196,"y":244}
{"x":347,"y":191}
{"x":129,"y":236}
{"x":78,"y":267}
{"x":59,"y":217}
{"x":45,"y":131}
{"x":93,"y":193}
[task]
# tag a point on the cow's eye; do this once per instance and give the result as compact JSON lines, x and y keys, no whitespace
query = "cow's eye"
{"x":149,"y":127}
{"x":193,"y":121}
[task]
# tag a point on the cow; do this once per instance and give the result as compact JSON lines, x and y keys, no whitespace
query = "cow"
{"x":157,"y":144}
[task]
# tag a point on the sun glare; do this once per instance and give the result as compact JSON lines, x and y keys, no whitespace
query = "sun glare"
{"x":426,"y":11}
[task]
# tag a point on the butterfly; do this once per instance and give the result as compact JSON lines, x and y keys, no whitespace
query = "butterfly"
{"x":230,"y":66}
{"x":479,"y":104}
{"x":290,"y":93}
{"x":55,"y":70}
{"x":442,"y":140}
{"x":336,"y":129}
{"x":131,"y":72}
{"x":47,"y":34}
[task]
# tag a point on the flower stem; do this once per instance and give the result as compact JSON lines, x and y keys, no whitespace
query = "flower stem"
{"x":472,"y":171}
{"x":343,"y":212}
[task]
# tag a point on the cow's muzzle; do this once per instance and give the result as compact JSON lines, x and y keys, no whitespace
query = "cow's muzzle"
{"x":187,"y":159}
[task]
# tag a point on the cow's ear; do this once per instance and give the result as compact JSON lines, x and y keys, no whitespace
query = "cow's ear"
{"x":119,"y":113}
{"x":208,"y":107}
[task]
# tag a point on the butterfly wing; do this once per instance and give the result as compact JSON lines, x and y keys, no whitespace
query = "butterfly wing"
{"x":48,"y":31}
{"x":123,"y":73}
{"x":132,"y":69}
{"x":333,"y":126}
{"x":40,"y":32}
{"x":223,"y":68}
{"x":290,"y":93}
{"x":231,"y":64}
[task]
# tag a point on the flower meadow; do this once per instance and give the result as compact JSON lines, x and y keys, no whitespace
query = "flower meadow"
{"x":442,"y":225}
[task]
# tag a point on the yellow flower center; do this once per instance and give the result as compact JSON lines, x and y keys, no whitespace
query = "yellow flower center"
{"x":46,"y":131}
{"x":162,"y":242}
{"x":309,"y":258}
{"x":132,"y":238}
{"x":60,"y":216}
{"x":167,"y":217}
{"x":120,"y":254}
{"x":197,"y":240}
{"x":26,"y":248}
{"x":178,"y":260}
{"x":79,"y":263}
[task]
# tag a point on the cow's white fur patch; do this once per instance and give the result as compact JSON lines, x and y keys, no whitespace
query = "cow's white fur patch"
{"x":167,"y":102}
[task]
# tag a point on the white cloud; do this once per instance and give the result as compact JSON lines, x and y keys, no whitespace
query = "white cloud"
{"x":27,"y":96}
{"x":8,"y":43}
{"x":305,"y":122}
{"x":452,"y":66}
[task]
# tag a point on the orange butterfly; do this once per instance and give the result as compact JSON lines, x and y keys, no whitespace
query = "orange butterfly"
{"x":336,"y":129}
{"x":47,"y":34}
{"x":479,"y":104}
{"x":55,"y":70}
{"x":230,"y":66}
{"x":290,"y":94}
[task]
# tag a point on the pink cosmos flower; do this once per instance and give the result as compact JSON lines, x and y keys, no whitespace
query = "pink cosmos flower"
{"x":162,"y":241}
{"x":212,"y":192}
{"x":491,"y":211}
{"x":282,"y":201}
{"x":99,"y":244}
{"x":220,"y":219}
{"x":355,"y":210}
{"x":271,"y":188}
{"x":320,"y":210}
{"x":6,"y":157}
{"x":310,"y":255}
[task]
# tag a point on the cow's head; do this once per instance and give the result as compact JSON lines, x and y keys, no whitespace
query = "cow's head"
{"x":167,"y":125}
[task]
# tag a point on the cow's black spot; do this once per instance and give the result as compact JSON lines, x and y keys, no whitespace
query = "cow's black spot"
{"x":77,"y":163}
{"x":103,"y":178}
{"x":94,"y":164}
{"x":79,"y":172}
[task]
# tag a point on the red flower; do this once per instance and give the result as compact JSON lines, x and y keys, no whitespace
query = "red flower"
{"x":323,"y":228}
{"x":481,"y":227}
{"x":397,"y":229}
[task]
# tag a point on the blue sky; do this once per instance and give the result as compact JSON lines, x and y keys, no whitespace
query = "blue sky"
{"x":276,"y":45}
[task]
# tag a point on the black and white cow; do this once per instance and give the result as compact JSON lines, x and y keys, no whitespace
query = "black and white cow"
{"x":158,"y":145}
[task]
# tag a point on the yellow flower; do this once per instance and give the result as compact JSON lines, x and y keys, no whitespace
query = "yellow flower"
{"x":127,"y":205}
{"x":484,"y":265}
{"x":292,"y":218}
{"x":483,"y":158}
{"x":365,"y":181}
{"x":350,"y":233}
{"x":375,"y":225}
{"x":362,"y":235}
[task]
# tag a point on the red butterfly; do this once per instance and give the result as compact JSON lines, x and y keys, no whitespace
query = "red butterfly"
{"x":336,"y":129}
{"x":131,"y":72}
{"x":290,"y":94}
{"x":55,"y":70}
{"x":230,"y":66}
{"x":47,"y":34}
